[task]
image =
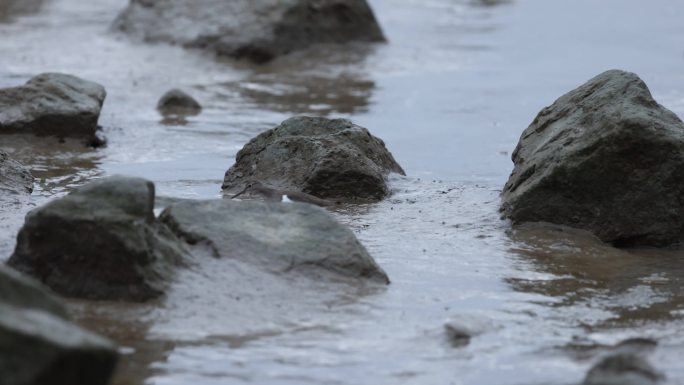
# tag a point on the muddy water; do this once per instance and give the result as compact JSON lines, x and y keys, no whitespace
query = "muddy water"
{"x":450,"y":94}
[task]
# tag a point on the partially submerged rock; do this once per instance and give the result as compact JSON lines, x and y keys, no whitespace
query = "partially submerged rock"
{"x":461,"y":329}
{"x":623,"y":369}
{"x":38,"y":345}
{"x":37,"y":348}
{"x":21,"y":291}
{"x":330,"y":159}
{"x":458,"y":335}
{"x":605,"y":157}
{"x":178,"y":102}
{"x":9,"y":9}
{"x":637,"y":345}
{"x":53,"y":104}
{"x":274,"y":236}
{"x":14,"y":177}
{"x":101,"y":241}
{"x":257,"y":30}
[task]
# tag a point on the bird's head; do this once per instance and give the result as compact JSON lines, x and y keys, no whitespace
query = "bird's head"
{"x":249,"y":186}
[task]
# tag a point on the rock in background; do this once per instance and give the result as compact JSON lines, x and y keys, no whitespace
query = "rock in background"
{"x":10,"y":9}
{"x":14,"y":177}
{"x":257,"y":30}
{"x":276,"y":237}
{"x":623,"y":369}
{"x":53,"y":104}
{"x":332,"y":159}
{"x":604,"y":157}
{"x":38,"y":344}
{"x":178,"y":102}
{"x":101,"y":241}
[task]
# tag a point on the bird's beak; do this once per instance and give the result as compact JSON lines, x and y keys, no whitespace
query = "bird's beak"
{"x":240,"y":193}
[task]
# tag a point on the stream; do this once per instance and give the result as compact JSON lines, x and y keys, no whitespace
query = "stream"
{"x":450,"y":94}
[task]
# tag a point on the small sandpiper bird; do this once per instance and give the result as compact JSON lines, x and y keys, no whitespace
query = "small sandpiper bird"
{"x":274,"y":195}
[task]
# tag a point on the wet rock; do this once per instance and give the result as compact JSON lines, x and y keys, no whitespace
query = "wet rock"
{"x":38,"y":344}
{"x":458,"y":335}
{"x":21,"y":291}
{"x":53,"y":104}
{"x":623,"y":369}
{"x":14,"y":177}
{"x":101,"y":241}
{"x":330,"y":159}
{"x":489,"y":3}
{"x":178,"y":102}
{"x":38,"y":348}
{"x":637,"y":345}
{"x":460,"y":330}
{"x":256,"y":30}
{"x":606,"y":158}
{"x":9,"y":9}
{"x":276,"y":237}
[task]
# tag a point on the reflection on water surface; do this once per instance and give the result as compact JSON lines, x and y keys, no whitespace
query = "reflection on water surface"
{"x":450,"y":94}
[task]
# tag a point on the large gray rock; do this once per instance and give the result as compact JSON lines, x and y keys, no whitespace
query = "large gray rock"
{"x":37,"y":348}
{"x":257,"y":30}
{"x":9,"y":9}
{"x":279,"y":237}
{"x":332,"y":159}
{"x":178,"y":102}
{"x":604,"y":157}
{"x":38,"y":345}
{"x":462,"y":329}
{"x":101,"y":241}
{"x":623,"y":369}
{"x":14,"y":177}
{"x":52,"y":104}
{"x":21,"y":291}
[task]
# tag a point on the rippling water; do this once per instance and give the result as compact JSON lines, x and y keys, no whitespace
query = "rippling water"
{"x":450,"y":95}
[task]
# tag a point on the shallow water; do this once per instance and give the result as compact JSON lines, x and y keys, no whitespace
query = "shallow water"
{"x":450,"y":95}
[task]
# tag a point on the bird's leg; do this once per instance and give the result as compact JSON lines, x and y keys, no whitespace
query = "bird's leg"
{"x":241,"y":192}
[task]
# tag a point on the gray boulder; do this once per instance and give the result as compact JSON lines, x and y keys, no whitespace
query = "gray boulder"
{"x":330,"y":159}
{"x":277,"y":237}
{"x":623,"y":369}
{"x":606,"y":158}
{"x":38,"y":345}
{"x":257,"y":30}
{"x":21,"y":291}
{"x":14,"y":177}
{"x":53,"y":104}
{"x":101,"y":241}
{"x":37,"y":348}
{"x":10,"y":9}
{"x":178,"y":102}
{"x":462,"y":329}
